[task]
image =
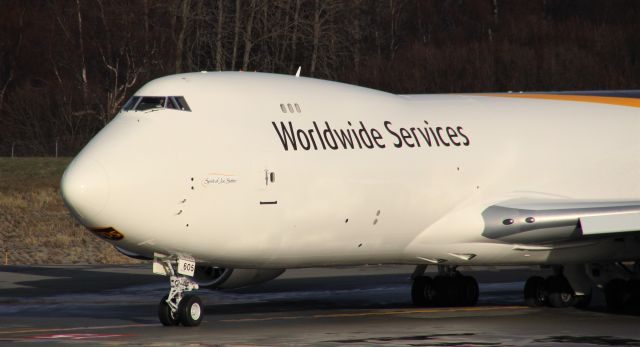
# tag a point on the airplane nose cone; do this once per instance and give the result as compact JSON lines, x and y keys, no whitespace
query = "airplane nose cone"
{"x":85,"y":189}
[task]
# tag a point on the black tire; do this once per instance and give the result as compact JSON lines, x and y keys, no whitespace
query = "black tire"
{"x":535,"y":294}
{"x":421,"y":291}
{"x":445,"y":291}
{"x":616,"y":294}
{"x":559,"y":292}
{"x":190,"y":311}
{"x":583,"y":301}
{"x":470,"y":291}
{"x":633,"y":286}
{"x":164,"y":313}
{"x":457,"y":291}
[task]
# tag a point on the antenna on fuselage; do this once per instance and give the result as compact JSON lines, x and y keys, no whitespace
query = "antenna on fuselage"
{"x":298,"y":72}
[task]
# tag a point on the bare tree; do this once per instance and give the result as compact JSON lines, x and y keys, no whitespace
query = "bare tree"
{"x":316,"y":35}
{"x":121,"y":80}
{"x":395,"y":13}
{"x":236,"y":36}
{"x":248,"y":43}
{"x":219,"y":35}
{"x":83,"y":65}
{"x":9,"y":52}
{"x":294,"y":35}
{"x":78,"y":61}
{"x":181,"y":22}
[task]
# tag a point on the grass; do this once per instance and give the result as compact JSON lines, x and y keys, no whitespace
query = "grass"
{"x":35,"y":226}
{"x":29,"y":174}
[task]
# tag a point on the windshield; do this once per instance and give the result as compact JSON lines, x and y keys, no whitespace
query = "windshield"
{"x":144,"y":103}
{"x":131,"y":103}
{"x":149,"y":102}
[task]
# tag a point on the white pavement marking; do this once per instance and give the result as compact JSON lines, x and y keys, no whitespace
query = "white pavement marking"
{"x":21,"y":278}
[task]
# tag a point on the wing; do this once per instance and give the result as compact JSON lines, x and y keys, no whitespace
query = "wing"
{"x":540,"y":222}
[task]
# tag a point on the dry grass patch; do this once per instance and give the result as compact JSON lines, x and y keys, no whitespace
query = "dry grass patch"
{"x":35,"y":226}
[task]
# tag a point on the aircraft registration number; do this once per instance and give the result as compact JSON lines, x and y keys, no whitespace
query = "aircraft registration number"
{"x":186,"y":267}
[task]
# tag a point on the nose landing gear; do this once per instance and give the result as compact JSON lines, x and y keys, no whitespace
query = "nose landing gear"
{"x":177,"y":307}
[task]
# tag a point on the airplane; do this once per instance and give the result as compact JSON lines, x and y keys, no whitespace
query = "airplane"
{"x":227,"y":179}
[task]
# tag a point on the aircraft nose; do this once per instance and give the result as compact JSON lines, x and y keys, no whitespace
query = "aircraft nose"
{"x":85,"y":189}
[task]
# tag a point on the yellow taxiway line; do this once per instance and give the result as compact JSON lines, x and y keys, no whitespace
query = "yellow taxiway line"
{"x":384,"y":312}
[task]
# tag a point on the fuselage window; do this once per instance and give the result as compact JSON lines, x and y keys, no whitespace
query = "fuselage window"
{"x":284,"y":109}
{"x":150,"y":102}
{"x":131,"y":103}
{"x":290,"y":108}
{"x":298,"y":108}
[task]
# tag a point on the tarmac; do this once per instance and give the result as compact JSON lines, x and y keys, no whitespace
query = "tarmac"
{"x":353,"y":306}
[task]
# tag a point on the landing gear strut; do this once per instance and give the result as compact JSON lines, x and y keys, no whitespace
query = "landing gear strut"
{"x":449,"y":288}
{"x":177,"y":307}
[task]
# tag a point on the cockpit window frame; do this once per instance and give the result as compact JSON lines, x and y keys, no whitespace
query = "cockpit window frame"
{"x":176,"y":103}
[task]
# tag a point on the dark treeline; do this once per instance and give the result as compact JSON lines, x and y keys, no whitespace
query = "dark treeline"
{"x":67,"y":66}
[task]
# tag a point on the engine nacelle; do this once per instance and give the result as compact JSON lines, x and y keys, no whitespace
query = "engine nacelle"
{"x":224,"y":278}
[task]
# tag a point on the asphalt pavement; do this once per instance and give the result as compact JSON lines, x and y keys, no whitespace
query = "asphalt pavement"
{"x":352,"y":306}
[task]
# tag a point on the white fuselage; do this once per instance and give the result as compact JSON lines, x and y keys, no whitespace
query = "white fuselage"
{"x":200,"y":183}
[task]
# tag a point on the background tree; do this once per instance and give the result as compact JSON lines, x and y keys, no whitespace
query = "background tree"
{"x":66,"y":67}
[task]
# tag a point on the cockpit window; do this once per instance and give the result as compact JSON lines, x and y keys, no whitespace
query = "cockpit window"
{"x":150,"y":102}
{"x":182,"y":103}
{"x":171,"y":103}
{"x":145,"y":103}
{"x":131,"y":103}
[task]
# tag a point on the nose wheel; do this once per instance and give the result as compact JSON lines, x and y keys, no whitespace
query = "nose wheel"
{"x":178,"y":308}
{"x":190,"y":310}
{"x":166,"y":315}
